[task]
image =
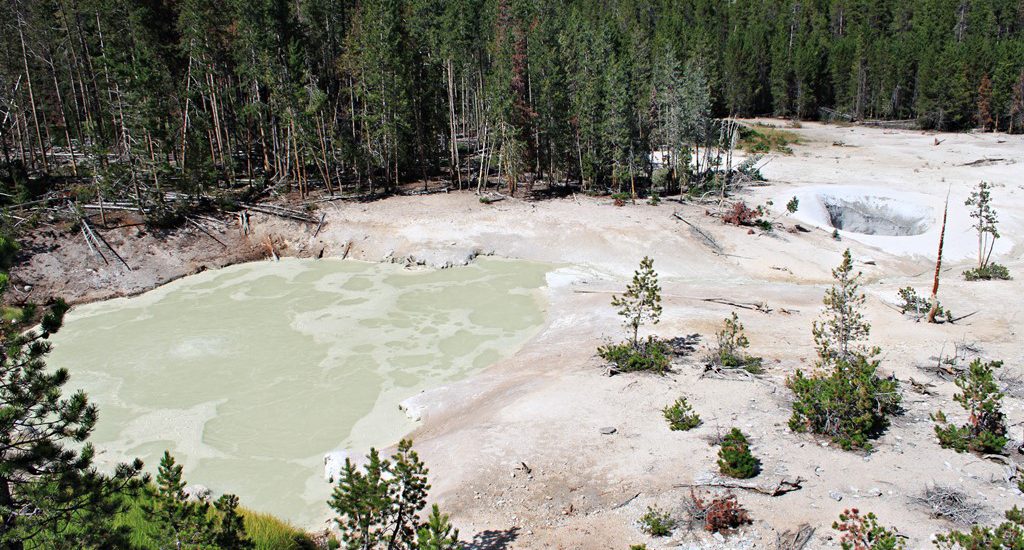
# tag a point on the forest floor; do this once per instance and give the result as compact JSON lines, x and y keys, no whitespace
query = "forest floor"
{"x":517,"y":453}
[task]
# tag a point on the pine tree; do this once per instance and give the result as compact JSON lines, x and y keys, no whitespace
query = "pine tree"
{"x":50,"y":492}
{"x":642,"y":301}
{"x":838,"y":335}
{"x":379,"y":507}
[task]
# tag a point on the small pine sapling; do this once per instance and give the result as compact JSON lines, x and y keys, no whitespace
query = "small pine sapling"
{"x":862,"y":532}
{"x":985,"y":431}
{"x":734,"y":457}
{"x":793,"y":205}
{"x":985,"y":224}
{"x":437,"y":533}
{"x":657,"y":522}
{"x":639,"y":305}
{"x":732,"y":345}
{"x":916,"y":306}
{"x":846,"y":400}
{"x":680,"y":416}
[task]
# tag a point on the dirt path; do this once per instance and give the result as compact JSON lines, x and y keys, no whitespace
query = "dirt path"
{"x":545,"y":406}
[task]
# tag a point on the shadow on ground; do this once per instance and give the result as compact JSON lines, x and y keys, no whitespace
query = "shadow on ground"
{"x":493,"y":539}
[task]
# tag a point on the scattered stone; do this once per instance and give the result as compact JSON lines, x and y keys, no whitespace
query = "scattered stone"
{"x":835,"y":495}
{"x":608,"y":430}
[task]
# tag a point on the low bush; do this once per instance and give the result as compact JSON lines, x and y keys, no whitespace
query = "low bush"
{"x":731,"y":349}
{"x":864,"y":533}
{"x":985,"y":431}
{"x":680,"y":416}
{"x":651,"y":355}
{"x":657,"y":522}
{"x":850,"y":404}
{"x":718,"y":514}
{"x":991,"y":272}
{"x":621,"y":198}
{"x":1009,"y":534}
{"x":764,"y":139}
{"x":734,"y":457}
{"x":912,"y":303}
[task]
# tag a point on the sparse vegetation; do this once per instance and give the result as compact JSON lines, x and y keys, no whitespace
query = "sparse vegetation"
{"x":913,"y":304}
{"x":1008,"y":535}
{"x":985,"y":430}
{"x":657,"y":522}
{"x":717,"y":514}
{"x":640,"y":304}
{"x":793,"y":205}
{"x":734,"y":456}
{"x":680,"y":416}
{"x":767,"y":139}
{"x":846,"y":400}
{"x":730,"y":352}
{"x":863,"y":532}
{"x":985,"y":224}
{"x":991,"y":272}
{"x":742,"y":215}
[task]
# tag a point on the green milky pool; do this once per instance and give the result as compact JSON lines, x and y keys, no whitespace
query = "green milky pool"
{"x":250,"y":374}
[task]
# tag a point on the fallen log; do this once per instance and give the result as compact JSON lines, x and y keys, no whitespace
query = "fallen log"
{"x":280,"y":212}
{"x":780,"y":488}
{"x":203,"y":229}
{"x":704,"y":236}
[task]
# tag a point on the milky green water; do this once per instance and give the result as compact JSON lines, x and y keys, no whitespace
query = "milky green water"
{"x":250,"y":374}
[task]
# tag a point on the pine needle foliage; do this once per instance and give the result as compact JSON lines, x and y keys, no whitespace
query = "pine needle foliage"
{"x":680,"y":416}
{"x":640,"y":304}
{"x":985,"y":224}
{"x":985,"y":430}
{"x":845,"y":400}
{"x":863,"y":532}
{"x":734,"y":457}
{"x":731,"y":349}
{"x":378,"y":507}
{"x":1009,"y":534}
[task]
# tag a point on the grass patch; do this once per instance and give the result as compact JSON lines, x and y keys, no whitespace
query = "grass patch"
{"x":264,"y":530}
{"x":767,"y":139}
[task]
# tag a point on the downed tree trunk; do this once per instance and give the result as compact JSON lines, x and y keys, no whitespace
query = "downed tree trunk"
{"x":779,"y":488}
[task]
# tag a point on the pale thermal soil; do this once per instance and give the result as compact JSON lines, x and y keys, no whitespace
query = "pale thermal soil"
{"x":545,"y":406}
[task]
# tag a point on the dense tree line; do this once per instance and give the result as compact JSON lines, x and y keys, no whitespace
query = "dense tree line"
{"x":136,"y":98}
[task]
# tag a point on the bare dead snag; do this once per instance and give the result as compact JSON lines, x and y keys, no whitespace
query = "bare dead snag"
{"x":938,"y":264}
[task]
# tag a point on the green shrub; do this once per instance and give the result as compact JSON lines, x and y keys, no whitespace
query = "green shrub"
{"x":985,"y":431}
{"x":620,"y":199}
{"x":734,"y":456}
{"x":653,"y":199}
{"x":8,"y":251}
{"x":990,"y":272}
{"x":850,"y":404}
{"x":864,"y":533}
{"x":914,"y":304}
{"x":680,"y":416}
{"x":657,"y":522}
{"x":793,"y":205}
{"x":731,"y":349}
{"x":1009,"y":535}
{"x":651,"y":355}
